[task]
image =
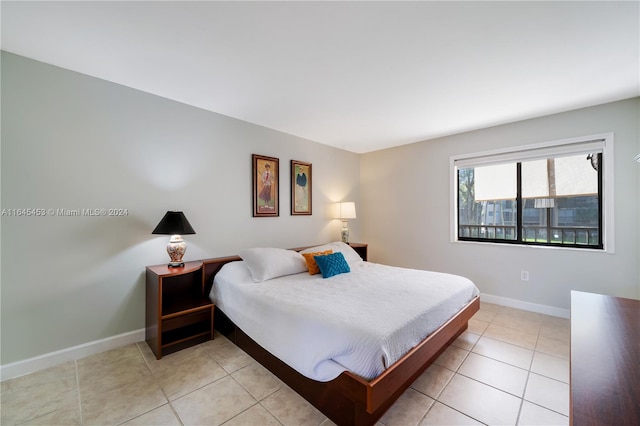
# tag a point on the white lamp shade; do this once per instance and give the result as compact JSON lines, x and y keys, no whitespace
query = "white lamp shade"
{"x":346,"y":210}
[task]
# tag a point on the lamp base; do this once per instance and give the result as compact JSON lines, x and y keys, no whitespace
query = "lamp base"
{"x":344,"y":234}
{"x":176,"y":249}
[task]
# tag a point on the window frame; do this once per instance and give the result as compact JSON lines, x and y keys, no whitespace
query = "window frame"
{"x":599,"y":142}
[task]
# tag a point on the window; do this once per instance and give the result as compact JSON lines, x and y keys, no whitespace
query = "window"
{"x":549,"y":194}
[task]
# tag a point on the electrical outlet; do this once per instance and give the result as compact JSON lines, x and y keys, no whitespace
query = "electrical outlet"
{"x":524,"y":275}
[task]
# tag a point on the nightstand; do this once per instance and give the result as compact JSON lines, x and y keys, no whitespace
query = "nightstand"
{"x":361,"y":249}
{"x":178,"y":312}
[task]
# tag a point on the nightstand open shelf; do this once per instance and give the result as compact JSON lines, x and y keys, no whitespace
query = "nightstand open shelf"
{"x":361,"y":249}
{"x":178,"y":312}
{"x":192,"y":328}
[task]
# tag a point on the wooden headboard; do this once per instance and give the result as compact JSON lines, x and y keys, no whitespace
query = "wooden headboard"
{"x":210,"y":268}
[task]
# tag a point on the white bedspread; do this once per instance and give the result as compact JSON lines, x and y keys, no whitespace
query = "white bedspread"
{"x":362,"y":321}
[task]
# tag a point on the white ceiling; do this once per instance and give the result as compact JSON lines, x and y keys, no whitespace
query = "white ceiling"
{"x":361,"y":76}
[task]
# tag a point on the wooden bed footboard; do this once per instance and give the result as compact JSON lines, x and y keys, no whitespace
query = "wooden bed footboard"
{"x":397,"y":378}
{"x":348,"y":399}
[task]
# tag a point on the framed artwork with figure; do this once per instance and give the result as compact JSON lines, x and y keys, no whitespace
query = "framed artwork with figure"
{"x":300,"y":188}
{"x":266,"y":182}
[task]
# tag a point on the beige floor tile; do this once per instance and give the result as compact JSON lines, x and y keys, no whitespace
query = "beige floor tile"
{"x":102,"y":374}
{"x":484,"y":315}
{"x":519,"y":337}
{"x":440,"y":415}
{"x":113,"y":355}
{"x":556,"y":322}
{"x":495,"y":373}
{"x":477,"y":327}
{"x":36,"y":394}
{"x":466,"y":340}
{"x":122,"y":404}
{"x":408,"y":410}
{"x":481,"y":402}
{"x":521,"y":314}
{"x":490,"y":306}
{"x":433,"y":380}
{"x":65,"y":416}
{"x":172,"y":360}
{"x":556,"y":330}
{"x":548,"y":393}
{"x":194,"y":372}
{"x":254,"y":416}
{"x":505,"y":352}
{"x":526,"y":324}
{"x":554,"y":347}
{"x":146,"y":352}
{"x":551,"y":366}
{"x":534,"y":415}
{"x":161,"y":416}
{"x":451,"y":358}
{"x":213,"y":404}
{"x":257,"y":380}
{"x":229,"y":356}
{"x":291,"y":409}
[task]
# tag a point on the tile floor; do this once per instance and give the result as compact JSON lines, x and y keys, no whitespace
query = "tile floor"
{"x":510,"y":368}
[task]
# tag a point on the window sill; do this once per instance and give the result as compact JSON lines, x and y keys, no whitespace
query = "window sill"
{"x":526,"y":246}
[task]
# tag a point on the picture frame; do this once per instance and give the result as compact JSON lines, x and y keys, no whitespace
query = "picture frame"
{"x":266,"y":186}
{"x":301,"y":189}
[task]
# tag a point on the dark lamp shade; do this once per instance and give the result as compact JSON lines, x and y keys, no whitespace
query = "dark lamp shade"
{"x":174,"y":223}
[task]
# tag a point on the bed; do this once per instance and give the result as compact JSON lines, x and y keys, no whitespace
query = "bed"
{"x":334,"y":339}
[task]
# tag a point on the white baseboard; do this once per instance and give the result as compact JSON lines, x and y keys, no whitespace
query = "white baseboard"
{"x":52,"y":359}
{"x":525,"y":306}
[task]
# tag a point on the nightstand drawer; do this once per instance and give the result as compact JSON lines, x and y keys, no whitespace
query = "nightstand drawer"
{"x":187,"y":319}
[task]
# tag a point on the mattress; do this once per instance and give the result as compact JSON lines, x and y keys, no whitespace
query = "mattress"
{"x":362,"y":321}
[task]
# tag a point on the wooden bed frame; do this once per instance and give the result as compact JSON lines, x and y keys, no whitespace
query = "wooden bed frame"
{"x":348,"y":399}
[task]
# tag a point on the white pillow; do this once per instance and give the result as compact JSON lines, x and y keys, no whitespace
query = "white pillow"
{"x":266,"y":263}
{"x":350,"y":255}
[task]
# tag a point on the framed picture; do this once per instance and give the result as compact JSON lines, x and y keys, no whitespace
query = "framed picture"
{"x":300,"y":188}
{"x":266,"y":183}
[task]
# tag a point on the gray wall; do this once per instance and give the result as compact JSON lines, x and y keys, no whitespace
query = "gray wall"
{"x":405,"y":193}
{"x":70,"y":141}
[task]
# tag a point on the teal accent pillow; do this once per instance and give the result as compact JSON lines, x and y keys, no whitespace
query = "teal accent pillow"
{"x":332,"y":264}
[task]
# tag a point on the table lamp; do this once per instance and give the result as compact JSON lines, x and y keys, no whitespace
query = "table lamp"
{"x":176,"y":225}
{"x":344,"y":212}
